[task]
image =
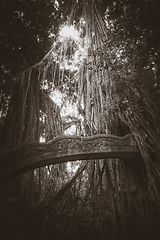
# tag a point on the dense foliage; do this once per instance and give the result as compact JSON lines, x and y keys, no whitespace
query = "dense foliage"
{"x":26,"y":32}
{"x":111,"y":73}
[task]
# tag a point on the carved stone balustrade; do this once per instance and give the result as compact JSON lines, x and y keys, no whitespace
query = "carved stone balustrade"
{"x":32,"y":155}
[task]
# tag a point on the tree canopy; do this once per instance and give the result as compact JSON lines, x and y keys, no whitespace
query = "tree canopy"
{"x":110,"y":72}
{"x":26,"y":29}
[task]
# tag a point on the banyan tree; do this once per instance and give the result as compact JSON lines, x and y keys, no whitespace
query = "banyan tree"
{"x":98,"y":72}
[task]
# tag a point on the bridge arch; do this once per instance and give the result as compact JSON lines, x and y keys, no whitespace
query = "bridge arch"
{"x":32,"y":155}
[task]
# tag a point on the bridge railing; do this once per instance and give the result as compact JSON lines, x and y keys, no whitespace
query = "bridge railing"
{"x":32,"y":155}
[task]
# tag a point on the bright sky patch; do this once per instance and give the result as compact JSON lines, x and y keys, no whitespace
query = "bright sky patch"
{"x":69,"y":32}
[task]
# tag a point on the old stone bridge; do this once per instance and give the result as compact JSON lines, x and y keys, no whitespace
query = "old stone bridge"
{"x":32,"y":155}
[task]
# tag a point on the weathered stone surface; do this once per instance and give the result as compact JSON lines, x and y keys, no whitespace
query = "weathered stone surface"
{"x":31,"y":155}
